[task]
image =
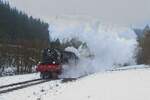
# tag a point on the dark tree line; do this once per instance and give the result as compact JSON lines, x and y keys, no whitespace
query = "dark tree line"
{"x":61,"y":45}
{"x":18,"y":28}
{"x":143,"y":56}
{"x":22,"y":38}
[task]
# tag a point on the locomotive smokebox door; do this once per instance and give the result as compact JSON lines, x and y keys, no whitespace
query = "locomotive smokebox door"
{"x":50,"y":56}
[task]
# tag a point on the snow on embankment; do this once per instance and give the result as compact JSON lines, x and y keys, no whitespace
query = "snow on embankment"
{"x":118,"y":85}
{"x":109,"y":44}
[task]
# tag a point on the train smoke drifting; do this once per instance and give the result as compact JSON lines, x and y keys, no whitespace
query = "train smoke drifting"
{"x":110,"y":45}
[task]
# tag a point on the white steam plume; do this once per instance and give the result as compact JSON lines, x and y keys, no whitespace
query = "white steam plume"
{"x":110,"y":45}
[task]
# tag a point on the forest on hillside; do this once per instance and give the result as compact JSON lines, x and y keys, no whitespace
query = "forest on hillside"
{"x":18,"y":28}
{"x":22,"y":38}
{"x":143,"y":56}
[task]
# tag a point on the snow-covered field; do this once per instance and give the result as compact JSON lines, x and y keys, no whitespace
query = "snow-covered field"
{"x":132,"y":84}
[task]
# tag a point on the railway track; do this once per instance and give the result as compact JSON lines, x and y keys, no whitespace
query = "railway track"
{"x":129,"y":68}
{"x":21,"y":85}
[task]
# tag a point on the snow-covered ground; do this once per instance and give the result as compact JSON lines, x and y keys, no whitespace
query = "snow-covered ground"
{"x":132,"y":84}
{"x":129,"y":67}
{"x":18,"y":78}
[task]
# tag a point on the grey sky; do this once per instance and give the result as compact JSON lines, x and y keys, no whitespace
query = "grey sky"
{"x":124,"y":12}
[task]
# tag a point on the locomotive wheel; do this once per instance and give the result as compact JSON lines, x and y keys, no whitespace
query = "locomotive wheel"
{"x":49,"y":75}
{"x":45,"y":75}
{"x":54,"y":75}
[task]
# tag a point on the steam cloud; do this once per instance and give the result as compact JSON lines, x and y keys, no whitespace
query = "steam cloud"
{"x":110,"y":45}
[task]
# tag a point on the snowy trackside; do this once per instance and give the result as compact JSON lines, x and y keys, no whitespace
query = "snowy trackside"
{"x":18,"y":78}
{"x":110,"y":85}
{"x":120,"y":85}
{"x":129,"y":67}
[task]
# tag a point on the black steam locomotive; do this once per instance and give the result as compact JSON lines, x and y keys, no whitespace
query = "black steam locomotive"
{"x":52,"y":61}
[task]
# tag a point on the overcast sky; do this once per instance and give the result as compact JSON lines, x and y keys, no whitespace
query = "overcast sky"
{"x":123,"y":12}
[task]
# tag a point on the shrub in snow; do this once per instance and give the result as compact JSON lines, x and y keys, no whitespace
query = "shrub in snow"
{"x":9,"y":71}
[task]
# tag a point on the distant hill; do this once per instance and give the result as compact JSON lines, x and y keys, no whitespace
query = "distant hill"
{"x":141,"y":32}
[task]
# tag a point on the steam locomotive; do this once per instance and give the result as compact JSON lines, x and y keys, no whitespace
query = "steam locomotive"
{"x":52,"y":61}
